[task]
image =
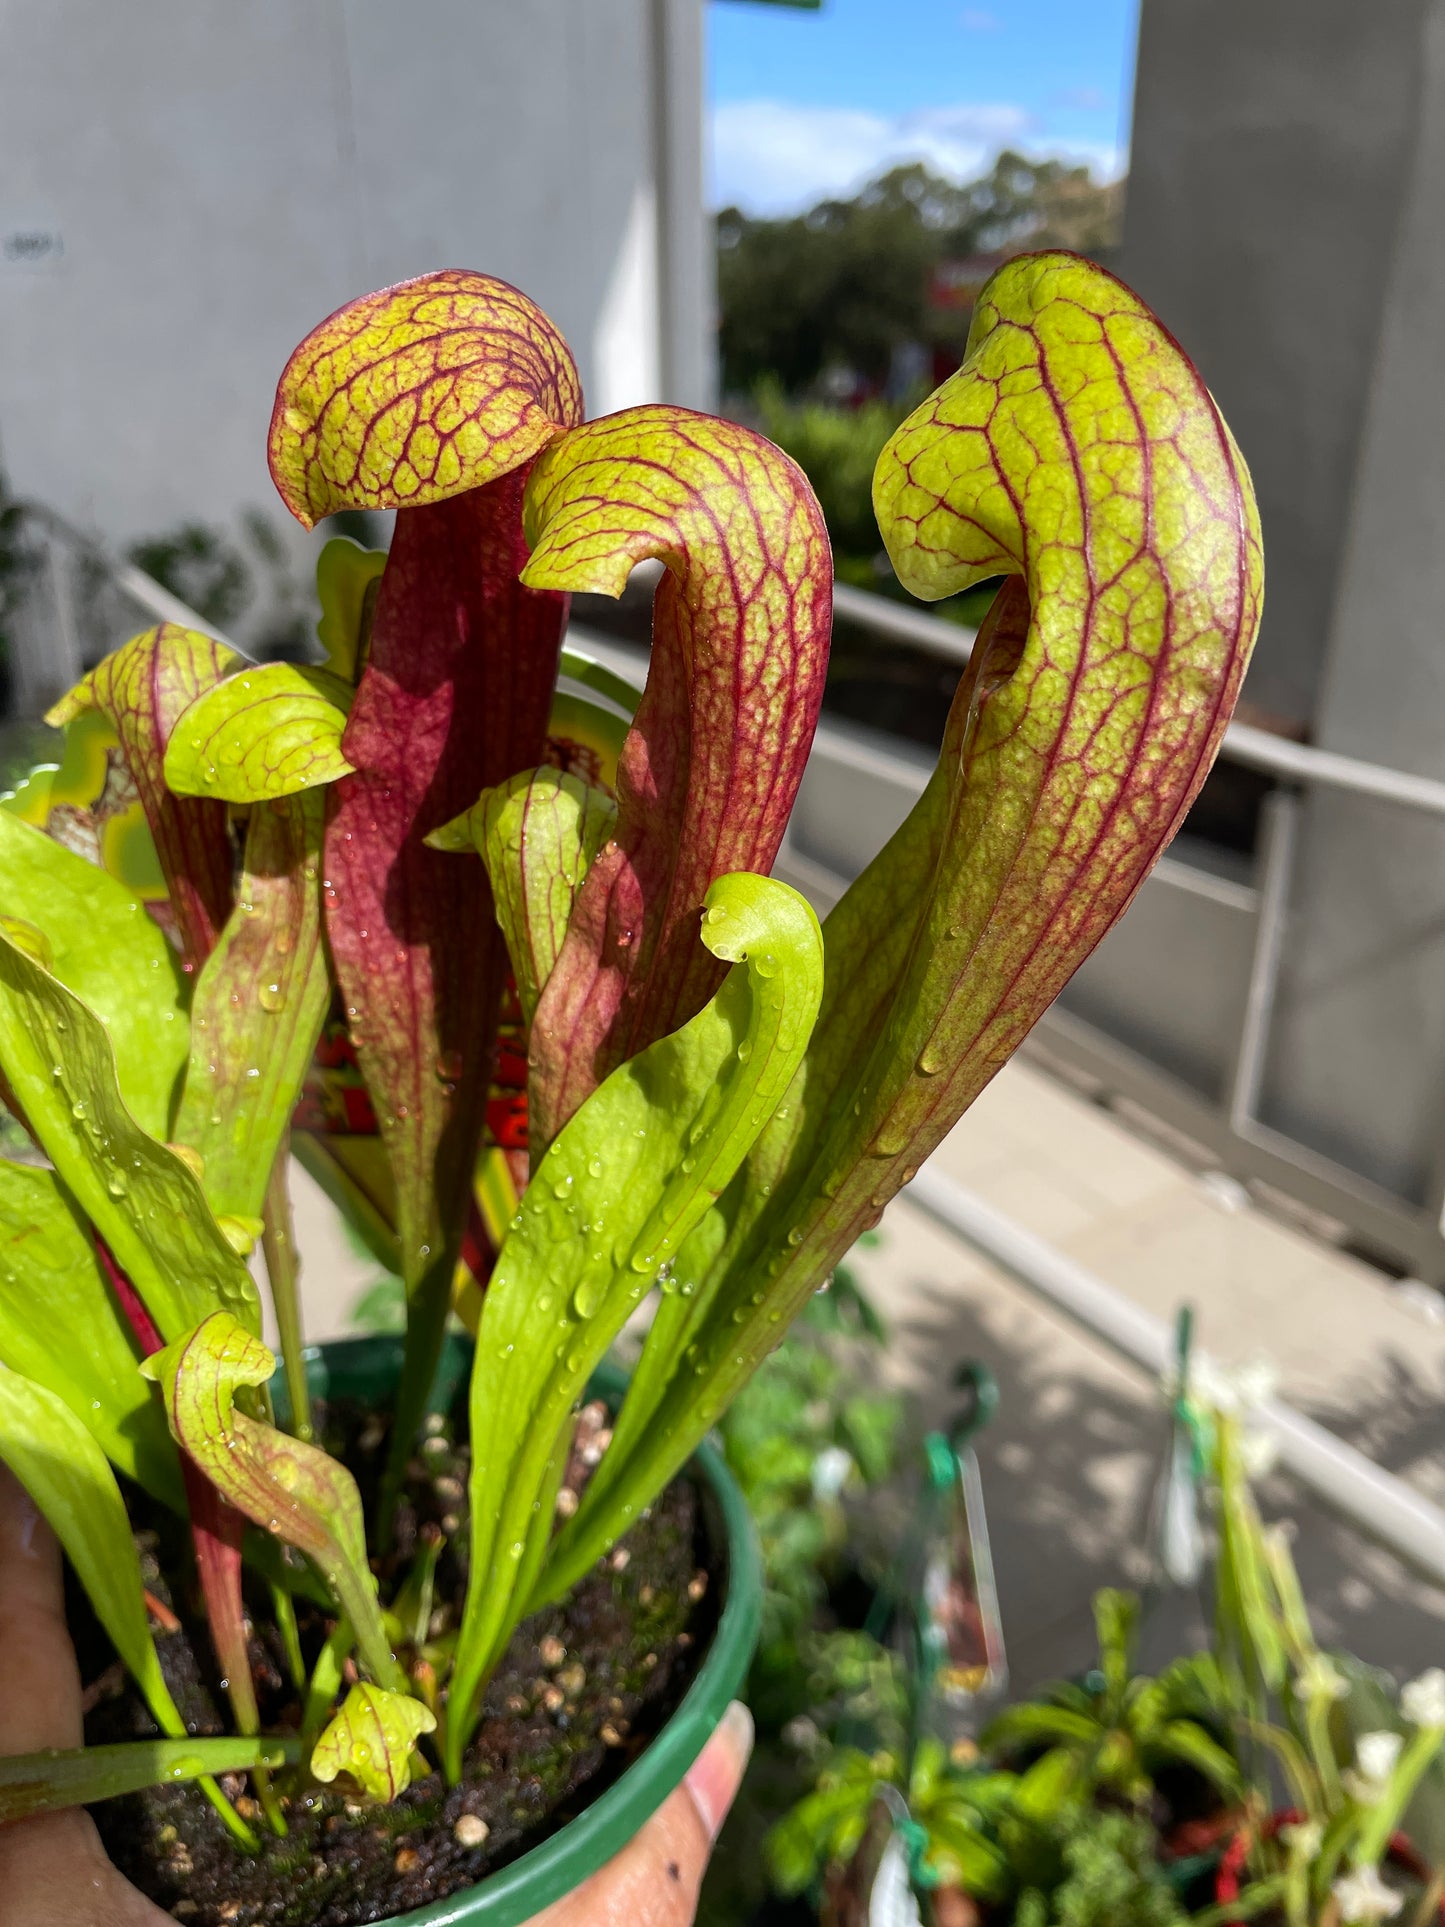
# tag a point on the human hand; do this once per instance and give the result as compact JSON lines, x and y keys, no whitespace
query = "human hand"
{"x":654,"y":1881}
{"x":54,"y":1871}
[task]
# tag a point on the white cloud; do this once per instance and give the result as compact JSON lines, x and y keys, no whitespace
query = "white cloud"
{"x":776,"y":157}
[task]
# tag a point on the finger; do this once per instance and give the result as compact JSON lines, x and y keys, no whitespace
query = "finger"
{"x":654,"y":1881}
{"x":54,"y":1873}
{"x":53,"y":1869}
{"x":714,"y":1777}
{"x":39,"y":1679}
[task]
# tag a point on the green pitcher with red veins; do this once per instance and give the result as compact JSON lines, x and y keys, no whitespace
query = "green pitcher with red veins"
{"x":423,"y":844}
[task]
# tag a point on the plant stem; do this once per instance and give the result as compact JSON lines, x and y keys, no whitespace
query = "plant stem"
{"x":284,"y":1607}
{"x":324,"y":1684}
{"x":1429,"y":1907}
{"x":213,"y":1559}
{"x":278,"y":1242}
{"x":217,"y":1530}
{"x":428,"y":1301}
{"x":1253,"y":1900}
{"x":50,"y":1780}
{"x":1383,"y":1818}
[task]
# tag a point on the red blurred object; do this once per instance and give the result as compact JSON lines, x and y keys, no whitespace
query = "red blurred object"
{"x":1228,"y":1878}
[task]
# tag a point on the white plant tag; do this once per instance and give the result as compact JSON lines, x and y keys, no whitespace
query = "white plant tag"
{"x":893,"y":1902}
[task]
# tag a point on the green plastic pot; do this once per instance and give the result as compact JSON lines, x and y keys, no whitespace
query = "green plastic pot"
{"x":368,"y":1369}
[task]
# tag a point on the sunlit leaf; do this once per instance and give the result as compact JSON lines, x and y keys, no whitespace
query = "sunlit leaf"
{"x":294,"y":1490}
{"x":1078,"y":451}
{"x":617,"y":1195}
{"x":143,"y":1199}
{"x":104,"y":947}
{"x":65,"y":1472}
{"x":585,"y":740}
{"x":270,"y":730}
{"x":143,"y":689}
{"x":52,"y":1288}
{"x":373,"y":1738}
{"x":430,"y":398}
{"x":537,"y":833}
{"x":602,"y":681}
{"x":259,"y":1005}
{"x":416,"y":393}
{"x":716,"y":751}
{"x":346,"y":581}
{"x":43,"y":1782}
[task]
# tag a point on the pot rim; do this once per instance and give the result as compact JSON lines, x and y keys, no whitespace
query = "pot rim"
{"x":560,"y":1863}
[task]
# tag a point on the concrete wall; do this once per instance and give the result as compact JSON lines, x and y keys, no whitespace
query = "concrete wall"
{"x":1362,"y":1039}
{"x":1284,"y":218}
{"x":1273,"y":143}
{"x":187,"y":186}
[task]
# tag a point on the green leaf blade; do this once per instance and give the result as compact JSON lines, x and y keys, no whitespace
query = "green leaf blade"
{"x":624,"y":1184}
{"x":108,"y":951}
{"x":65,"y":1472}
{"x":373,"y":1738}
{"x":51,"y":1288}
{"x":602,"y":681}
{"x":49,"y":1781}
{"x":712,"y":762}
{"x":347,"y":576}
{"x":293,"y":1490}
{"x":1078,"y":452}
{"x":259,"y":1004}
{"x":537,"y":834}
{"x":143,"y":1199}
{"x":143,"y":688}
{"x":267,"y":731}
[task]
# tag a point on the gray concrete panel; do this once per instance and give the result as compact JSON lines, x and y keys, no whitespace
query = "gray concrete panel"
{"x":1272,"y":145}
{"x":1358,"y":1068}
{"x":188,"y":186}
{"x":1169,"y":981}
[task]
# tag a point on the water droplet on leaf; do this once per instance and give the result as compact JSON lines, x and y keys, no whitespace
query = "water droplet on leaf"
{"x":588,"y":1296}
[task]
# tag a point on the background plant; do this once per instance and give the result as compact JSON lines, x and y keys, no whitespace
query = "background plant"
{"x":813,"y":1445}
{"x":844,"y":285}
{"x":1072,"y":1814}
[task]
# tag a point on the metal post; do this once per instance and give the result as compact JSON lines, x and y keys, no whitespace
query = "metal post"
{"x":64,"y":666}
{"x":1276,"y":867}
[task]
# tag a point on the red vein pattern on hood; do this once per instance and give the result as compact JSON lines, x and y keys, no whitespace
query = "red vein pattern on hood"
{"x":707,"y":777}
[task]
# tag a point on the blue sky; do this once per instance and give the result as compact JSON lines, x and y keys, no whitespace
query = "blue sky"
{"x":806,"y":104}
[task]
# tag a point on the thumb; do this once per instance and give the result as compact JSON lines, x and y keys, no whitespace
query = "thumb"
{"x":53,"y":1869}
{"x":654,"y":1881}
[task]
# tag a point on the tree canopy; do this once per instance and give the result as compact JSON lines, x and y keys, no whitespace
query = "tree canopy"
{"x":844,"y":284}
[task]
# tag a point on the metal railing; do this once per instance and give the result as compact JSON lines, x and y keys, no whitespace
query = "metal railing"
{"x":76,"y":602}
{"x":1385,"y":1507}
{"x":1375,"y":1501}
{"x":1229,"y":1128}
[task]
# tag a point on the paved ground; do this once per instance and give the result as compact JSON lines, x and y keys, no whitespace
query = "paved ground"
{"x":1069,"y":1463}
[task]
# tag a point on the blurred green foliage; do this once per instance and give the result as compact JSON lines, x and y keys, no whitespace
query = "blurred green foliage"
{"x":844,"y":285}
{"x":809,"y":1440}
{"x":837,"y":449}
{"x":1109,"y":1876}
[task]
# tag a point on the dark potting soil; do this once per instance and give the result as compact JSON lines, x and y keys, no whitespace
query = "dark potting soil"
{"x":583,"y":1687}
